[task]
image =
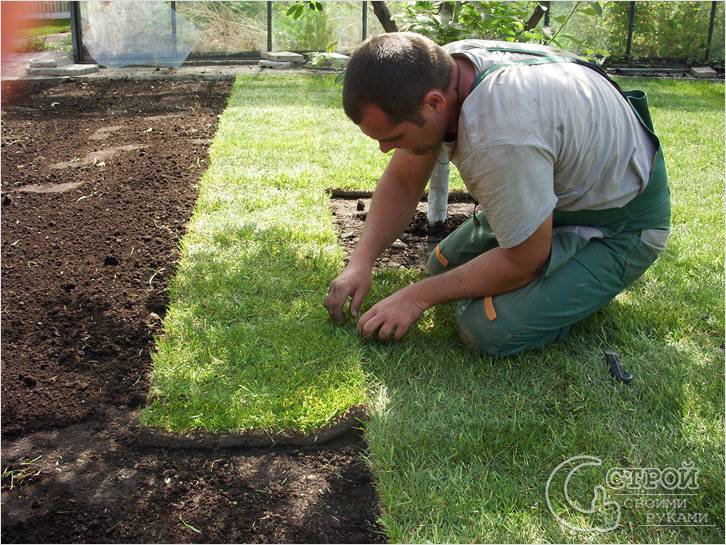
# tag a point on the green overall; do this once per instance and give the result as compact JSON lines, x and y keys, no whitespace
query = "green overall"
{"x":595,"y":255}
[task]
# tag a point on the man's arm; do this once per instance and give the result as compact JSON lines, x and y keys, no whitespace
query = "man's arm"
{"x":393,"y":204}
{"x":497,"y":271}
{"x":391,"y":209}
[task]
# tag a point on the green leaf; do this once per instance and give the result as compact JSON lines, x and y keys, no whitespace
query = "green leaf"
{"x":296,"y":10}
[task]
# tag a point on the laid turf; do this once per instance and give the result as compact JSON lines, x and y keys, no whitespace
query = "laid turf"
{"x":461,"y":445}
{"x":247,"y":342}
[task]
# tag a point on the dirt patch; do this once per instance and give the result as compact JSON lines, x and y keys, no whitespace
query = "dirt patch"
{"x":154,"y":118}
{"x":84,"y":278}
{"x":45,"y":188}
{"x":96,"y":157}
{"x":104,"y":132}
{"x":94,"y":483}
{"x":413,"y":248}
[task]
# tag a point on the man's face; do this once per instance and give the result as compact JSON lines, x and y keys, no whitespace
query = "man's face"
{"x":406,"y":135}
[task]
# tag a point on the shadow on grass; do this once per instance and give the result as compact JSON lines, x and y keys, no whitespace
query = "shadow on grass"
{"x":509,"y":422}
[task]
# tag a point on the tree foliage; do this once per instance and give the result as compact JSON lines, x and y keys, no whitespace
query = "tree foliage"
{"x":446,"y":22}
{"x":298,"y":8}
{"x":597,"y":30}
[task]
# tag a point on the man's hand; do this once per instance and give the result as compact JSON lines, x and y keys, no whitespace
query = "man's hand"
{"x":396,"y":312}
{"x":353,"y":282}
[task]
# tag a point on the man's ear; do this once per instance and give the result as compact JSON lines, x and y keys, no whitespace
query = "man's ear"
{"x":435,"y":101}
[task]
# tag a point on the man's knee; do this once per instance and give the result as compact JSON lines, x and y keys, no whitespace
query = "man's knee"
{"x":500,"y":336}
{"x":484,"y":338}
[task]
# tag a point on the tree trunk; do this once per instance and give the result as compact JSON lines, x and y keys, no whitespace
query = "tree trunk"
{"x":446,"y":12}
{"x":380,"y":9}
{"x":536,"y":16}
{"x":439,"y":190}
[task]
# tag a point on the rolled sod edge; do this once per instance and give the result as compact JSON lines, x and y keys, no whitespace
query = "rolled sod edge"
{"x":159,"y":438}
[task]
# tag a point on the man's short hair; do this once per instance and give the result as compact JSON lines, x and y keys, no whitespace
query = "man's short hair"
{"x":394,"y":71}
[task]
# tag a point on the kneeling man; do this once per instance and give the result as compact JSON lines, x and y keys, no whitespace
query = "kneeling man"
{"x":572,"y":189}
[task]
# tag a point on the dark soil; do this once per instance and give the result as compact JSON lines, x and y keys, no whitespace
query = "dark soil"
{"x":413,"y":248}
{"x":98,"y":182}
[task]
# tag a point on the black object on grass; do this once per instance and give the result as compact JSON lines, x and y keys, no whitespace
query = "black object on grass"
{"x":616,"y":368}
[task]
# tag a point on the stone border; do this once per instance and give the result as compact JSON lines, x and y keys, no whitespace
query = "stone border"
{"x":159,"y":438}
{"x":206,"y":72}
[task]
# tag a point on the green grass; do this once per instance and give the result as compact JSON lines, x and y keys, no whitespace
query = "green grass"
{"x":43,"y":27}
{"x":35,"y":36}
{"x":247,"y":342}
{"x":461,"y":445}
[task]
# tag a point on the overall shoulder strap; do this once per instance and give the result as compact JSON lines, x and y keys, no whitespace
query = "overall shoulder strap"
{"x":637,"y":99}
{"x":549,"y":59}
{"x":539,"y":57}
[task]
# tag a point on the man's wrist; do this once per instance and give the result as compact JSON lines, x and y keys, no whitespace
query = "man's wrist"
{"x":360,"y":260}
{"x":420,"y":294}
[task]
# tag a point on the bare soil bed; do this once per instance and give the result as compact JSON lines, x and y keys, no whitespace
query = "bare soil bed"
{"x":98,"y":182}
{"x":413,"y":248}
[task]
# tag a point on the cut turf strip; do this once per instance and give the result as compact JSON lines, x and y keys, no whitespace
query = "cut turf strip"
{"x":461,"y":445}
{"x":247,"y":343}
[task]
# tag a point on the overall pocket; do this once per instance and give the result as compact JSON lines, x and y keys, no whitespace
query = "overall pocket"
{"x":646,"y":250}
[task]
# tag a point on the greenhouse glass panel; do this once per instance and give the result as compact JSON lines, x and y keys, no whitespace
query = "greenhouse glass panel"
{"x":338,"y":27}
{"x":227,"y":28}
{"x":717,"y":43}
{"x":580,"y":28}
{"x":347,"y":22}
{"x":374,"y":25}
{"x":118,"y":34}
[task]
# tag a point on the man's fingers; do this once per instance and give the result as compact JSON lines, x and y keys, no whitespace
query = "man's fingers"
{"x":384,"y":334}
{"x":334,"y":301}
{"x":369,"y":325}
{"x":356,"y":301}
{"x":364,"y":319}
{"x":400,"y":332}
{"x":329,"y":305}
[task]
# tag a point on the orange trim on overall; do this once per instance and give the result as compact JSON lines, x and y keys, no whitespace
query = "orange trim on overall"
{"x":440,"y":256}
{"x":489,"y":309}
